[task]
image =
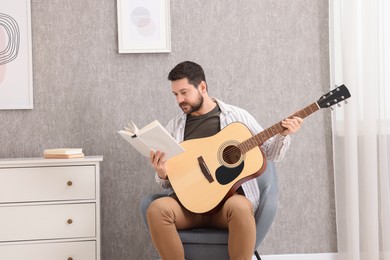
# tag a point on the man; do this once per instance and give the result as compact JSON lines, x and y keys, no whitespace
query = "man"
{"x":204,"y":116}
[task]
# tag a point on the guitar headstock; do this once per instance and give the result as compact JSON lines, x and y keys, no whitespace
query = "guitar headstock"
{"x":335,"y":96}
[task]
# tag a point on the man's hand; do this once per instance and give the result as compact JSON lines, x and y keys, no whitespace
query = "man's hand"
{"x":292,"y":125}
{"x":158,"y":161}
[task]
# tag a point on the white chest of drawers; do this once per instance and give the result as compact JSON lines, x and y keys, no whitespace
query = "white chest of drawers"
{"x":50,"y":209}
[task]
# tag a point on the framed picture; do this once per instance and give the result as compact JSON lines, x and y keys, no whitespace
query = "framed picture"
{"x":16,"y":81}
{"x":143,"y":26}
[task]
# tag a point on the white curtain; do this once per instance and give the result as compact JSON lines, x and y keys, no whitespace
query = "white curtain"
{"x":360,"y":58}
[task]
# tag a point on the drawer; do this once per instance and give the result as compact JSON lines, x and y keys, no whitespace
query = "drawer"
{"x":47,"y":183}
{"x":47,"y":222}
{"x":50,"y":251}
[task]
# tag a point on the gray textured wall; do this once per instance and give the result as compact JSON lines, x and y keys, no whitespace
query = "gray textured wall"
{"x":267,"y":56}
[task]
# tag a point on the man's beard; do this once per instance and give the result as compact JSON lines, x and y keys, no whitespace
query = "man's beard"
{"x":191,"y":108}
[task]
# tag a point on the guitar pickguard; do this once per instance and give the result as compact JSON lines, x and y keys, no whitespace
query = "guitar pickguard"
{"x":226,"y":175}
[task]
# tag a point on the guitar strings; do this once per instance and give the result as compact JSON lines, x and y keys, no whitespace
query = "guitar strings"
{"x":266,"y":134}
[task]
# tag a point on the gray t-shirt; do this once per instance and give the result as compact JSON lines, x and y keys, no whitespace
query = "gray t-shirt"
{"x":204,"y":125}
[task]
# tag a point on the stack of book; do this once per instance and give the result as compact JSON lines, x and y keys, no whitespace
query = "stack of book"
{"x":63,"y":153}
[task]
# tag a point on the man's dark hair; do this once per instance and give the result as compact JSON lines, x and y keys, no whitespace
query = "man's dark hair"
{"x":190,"y":70}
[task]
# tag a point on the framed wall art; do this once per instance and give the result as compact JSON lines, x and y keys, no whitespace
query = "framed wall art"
{"x":16,"y":81}
{"x":143,"y":26}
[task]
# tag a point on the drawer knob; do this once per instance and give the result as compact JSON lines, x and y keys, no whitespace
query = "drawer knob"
{"x":69,"y":183}
{"x":70,"y":221}
{"x":70,"y":258}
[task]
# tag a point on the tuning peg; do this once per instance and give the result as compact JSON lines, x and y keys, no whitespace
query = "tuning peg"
{"x":331,"y":108}
{"x":345,"y":102}
{"x":339,"y":105}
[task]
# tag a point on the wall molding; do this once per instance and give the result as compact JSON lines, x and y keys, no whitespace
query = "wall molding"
{"x":322,"y":256}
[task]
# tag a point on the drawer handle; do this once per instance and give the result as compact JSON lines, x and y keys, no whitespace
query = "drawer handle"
{"x":70,"y":258}
{"x":69,"y":183}
{"x":70,"y":221}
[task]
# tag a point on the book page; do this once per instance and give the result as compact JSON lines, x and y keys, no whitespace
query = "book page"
{"x":158,"y":138}
{"x":152,"y":125}
{"x":136,"y":143}
{"x":132,"y":128}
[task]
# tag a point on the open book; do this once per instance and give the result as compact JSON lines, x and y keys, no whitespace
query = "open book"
{"x":151,"y":137}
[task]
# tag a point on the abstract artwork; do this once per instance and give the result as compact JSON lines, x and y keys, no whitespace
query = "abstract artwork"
{"x":15,"y":55}
{"x":143,"y":26}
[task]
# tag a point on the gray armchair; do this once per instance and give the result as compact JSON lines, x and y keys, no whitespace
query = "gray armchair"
{"x":204,"y":244}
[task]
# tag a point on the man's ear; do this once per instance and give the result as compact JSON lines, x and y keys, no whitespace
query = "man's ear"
{"x":203,"y":87}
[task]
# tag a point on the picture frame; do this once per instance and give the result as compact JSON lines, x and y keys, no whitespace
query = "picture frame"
{"x":16,"y":76}
{"x":144,"y":26}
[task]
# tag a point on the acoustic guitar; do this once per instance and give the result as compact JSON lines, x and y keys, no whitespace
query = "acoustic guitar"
{"x":211,"y":169}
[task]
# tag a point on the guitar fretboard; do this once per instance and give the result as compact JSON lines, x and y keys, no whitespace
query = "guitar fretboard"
{"x":263,"y":136}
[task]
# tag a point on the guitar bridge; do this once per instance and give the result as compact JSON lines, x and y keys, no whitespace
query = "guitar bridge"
{"x":205,"y":169}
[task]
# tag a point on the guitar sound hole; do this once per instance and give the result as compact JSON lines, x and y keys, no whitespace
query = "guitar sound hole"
{"x":231,"y":154}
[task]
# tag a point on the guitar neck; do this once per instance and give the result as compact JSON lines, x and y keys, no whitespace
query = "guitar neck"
{"x":263,"y":136}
